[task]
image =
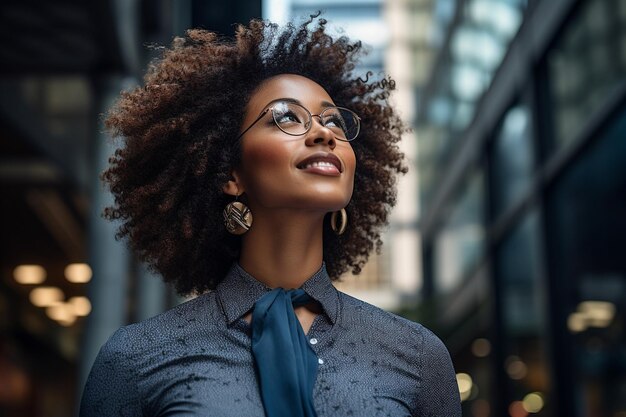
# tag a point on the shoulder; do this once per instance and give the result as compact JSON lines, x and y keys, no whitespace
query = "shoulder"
{"x":370,"y":318}
{"x":364,"y":314}
{"x":413,"y":349}
{"x":200,"y":312}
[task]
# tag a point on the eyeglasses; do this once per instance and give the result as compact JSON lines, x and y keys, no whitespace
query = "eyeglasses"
{"x":294,"y":119}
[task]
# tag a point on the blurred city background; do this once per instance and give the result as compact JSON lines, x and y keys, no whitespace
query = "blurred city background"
{"x":509,"y":239}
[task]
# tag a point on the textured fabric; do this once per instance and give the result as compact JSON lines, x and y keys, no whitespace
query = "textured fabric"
{"x":196,"y":360}
{"x":286,"y":363}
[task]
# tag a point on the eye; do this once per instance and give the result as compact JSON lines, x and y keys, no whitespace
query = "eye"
{"x":286,"y":116}
{"x":335,"y":122}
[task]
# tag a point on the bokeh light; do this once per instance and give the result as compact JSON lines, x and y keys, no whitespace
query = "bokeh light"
{"x":533,"y":402}
{"x":80,"y":305}
{"x":515,"y":367}
{"x":29,"y":274}
{"x":78,"y":273}
{"x":465,"y":383}
{"x":516,"y":409}
{"x":63,"y":313}
{"x":481,"y":347}
{"x":46,"y":296}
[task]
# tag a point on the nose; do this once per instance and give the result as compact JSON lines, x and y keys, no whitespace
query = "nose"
{"x":319,"y":134}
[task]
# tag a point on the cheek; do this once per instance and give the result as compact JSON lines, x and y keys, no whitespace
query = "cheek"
{"x":353,"y":160}
{"x":260,"y":159}
{"x":349,"y":159}
{"x":257,"y":156}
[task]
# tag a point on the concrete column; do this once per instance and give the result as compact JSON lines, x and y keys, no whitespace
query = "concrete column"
{"x":152,"y":294}
{"x":109,"y":259}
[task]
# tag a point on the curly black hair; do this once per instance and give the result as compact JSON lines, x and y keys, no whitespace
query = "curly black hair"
{"x":179,"y":147}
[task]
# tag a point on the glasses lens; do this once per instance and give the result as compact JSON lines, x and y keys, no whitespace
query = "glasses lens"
{"x":291,"y":118}
{"x":294,"y":119}
{"x":343,"y":122}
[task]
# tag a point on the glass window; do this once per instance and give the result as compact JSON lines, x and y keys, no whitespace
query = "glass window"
{"x":524,"y":318}
{"x":459,"y":244}
{"x":588,"y":237}
{"x":431,"y":138}
{"x":586,"y":64}
{"x":512,"y":159}
{"x":477,"y":46}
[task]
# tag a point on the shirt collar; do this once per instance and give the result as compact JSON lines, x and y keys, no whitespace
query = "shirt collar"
{"x":239,"y":290}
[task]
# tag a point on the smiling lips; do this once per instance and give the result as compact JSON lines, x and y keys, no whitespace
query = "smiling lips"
{"x":323,"y":163}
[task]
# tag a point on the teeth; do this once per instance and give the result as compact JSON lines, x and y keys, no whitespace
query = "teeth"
{"x":319,"y":164}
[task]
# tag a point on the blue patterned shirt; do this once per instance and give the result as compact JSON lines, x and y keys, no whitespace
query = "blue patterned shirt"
{"x":196,"y":360}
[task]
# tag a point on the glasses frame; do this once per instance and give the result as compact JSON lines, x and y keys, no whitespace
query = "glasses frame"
{"x":270,"y":107}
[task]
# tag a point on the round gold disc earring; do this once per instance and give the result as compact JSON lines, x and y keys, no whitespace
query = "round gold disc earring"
{"x":237,"y":217}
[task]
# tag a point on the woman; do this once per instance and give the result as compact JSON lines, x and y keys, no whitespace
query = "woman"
{"x":253,"y":173}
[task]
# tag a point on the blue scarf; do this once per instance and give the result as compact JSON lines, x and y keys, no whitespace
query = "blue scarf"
{"x":286,"y":363}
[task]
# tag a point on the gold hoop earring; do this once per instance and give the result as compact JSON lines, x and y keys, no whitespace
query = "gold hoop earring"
{"x":237,"y":217}
{"x":344,"y":222}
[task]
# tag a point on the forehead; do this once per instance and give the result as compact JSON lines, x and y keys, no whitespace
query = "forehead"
{"x":303,"y":89}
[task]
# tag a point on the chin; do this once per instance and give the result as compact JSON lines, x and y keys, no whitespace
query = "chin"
{"x":333,"y":198}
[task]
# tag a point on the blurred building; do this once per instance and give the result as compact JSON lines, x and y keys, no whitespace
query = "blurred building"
{"x":65,"y":283}
{"x":522,"y":165}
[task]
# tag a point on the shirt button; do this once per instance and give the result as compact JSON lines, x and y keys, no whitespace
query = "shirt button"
{"x":313,"y":341}
{"x":320,"y":361}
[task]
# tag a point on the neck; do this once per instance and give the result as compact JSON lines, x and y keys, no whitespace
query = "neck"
{"x":283,"y":249}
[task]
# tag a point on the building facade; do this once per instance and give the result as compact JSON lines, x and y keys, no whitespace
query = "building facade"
{"x":522,"y":162}
{"x":65,"y":283}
